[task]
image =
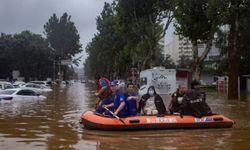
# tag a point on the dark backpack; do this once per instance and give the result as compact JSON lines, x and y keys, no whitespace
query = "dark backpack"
{"x":159,"y":104}
{"x":194,"y":103}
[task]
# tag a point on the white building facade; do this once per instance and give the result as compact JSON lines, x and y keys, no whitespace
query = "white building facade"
{"x":180,"y":46}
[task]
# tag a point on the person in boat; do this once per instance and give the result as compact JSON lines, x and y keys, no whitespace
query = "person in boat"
{"x":119,"y":105}
{"x":194,"y":102}
{"x":103,"y":93}
{"x":132,"y":97}
{"x":176,"y":99}
{"x":151,"y":103}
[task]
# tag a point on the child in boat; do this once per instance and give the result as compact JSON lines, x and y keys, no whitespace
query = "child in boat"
{"x":151,"y":103}
{"x":119,"y":105}
{"x":132,"y":97}
{"x":176,"y":101}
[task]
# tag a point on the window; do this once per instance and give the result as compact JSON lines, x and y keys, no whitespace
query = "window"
{"x":8,"y":86}
{"x":36,"y":86}
{"x":37,"y":82}
{"x":7,"y":92}
{"x":29,"y":85}
{"x":143,"y":81}
{"x":26,"y":93}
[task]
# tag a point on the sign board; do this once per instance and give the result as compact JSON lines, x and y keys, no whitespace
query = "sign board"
{"x":164,"y":80}
{"x":15,"y":74}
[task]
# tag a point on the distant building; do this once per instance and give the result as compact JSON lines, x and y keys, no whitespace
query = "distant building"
{"x":180,"y":46}
{"x":177,"y":47}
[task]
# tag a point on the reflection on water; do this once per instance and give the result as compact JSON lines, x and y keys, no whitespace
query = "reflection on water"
{"x":54,"y":124}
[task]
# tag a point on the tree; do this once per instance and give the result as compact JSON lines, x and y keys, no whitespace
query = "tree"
{"x":26,"y":52}
{"x":184,"y":62}
{"x":168,"y":62}
{"x":105,"y":56}
{"x":198,"y":21}
{"x":236,"y":11}
{"x":141,"y":24}
{"x":6,"y":42}
{"x":62,"y":36}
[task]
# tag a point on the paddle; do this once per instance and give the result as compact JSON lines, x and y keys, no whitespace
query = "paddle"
{"x":114,"y":115}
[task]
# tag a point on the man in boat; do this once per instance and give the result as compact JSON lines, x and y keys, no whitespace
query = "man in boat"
{"x":103,"y":93}
{"x":119,"y":105}
{"x":194,"y":102}
{"x":176,"y":101}
{"x":151,"y":103}
{"x":132,"y":97}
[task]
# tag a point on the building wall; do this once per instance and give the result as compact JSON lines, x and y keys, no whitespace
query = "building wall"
{"x":182,"y":46}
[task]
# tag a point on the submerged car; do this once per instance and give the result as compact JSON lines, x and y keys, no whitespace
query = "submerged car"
{"x":44,"y":83}
{"x":5,"y":85}
{"x":18,"y":84}
{"x":36,"y":87}
{"x":20,"y":94}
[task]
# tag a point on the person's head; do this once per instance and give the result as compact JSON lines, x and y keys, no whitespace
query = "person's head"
{"x":195,"y":84}
{"x":151,"y":91}
{"x":130,"y":87}
{"x":182,"y":89}
{"x":114,"y":86}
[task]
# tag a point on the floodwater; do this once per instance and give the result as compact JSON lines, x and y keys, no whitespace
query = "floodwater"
{"x":54,"y":124}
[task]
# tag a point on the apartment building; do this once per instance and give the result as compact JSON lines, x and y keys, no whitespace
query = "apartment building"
{"x":180,"y":46}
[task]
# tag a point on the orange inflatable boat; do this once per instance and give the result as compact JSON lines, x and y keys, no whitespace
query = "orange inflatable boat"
{"x":91,"y":120}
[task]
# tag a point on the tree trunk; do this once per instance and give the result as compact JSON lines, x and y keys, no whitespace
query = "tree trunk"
{"x":234,"y":60}
{"x":198,"y":61}
{"x":196,"y":64}
{"x":152,"y":58}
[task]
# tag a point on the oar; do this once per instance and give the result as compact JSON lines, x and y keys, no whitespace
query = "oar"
{"x":114,"y":115}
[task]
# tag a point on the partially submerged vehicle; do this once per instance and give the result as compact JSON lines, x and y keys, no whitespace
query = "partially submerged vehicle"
{"x":36,"y":87}
{"x":20,"y":94}
{"x":5,"y":85}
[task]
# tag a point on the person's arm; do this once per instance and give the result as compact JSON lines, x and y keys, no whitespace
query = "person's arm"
{"x":134,"y":97}
{"x":100,"y":91}
{"x":104,"y":86}
{"x":109,"y":105}
{"x":184,"y":104}
{"x":121,"y":106}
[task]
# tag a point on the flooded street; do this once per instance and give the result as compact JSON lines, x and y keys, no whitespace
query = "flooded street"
{"x":54,"y":124}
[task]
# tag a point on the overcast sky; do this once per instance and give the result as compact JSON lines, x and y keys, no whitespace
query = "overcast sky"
{"x":19,"y":15}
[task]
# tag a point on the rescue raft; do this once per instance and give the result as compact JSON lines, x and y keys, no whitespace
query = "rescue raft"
{"x":91,"y":120}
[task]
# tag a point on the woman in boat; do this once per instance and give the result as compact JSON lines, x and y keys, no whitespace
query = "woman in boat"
{"x":151,"y":103}
{"x":119,"y":105}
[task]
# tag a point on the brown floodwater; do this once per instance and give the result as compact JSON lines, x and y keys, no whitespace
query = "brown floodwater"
{"x":54,"y":124}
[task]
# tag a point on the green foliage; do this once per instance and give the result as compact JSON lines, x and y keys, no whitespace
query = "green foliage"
{"x":168,"y":62}
{"x":142,"y":27}
{"x":104,"y":49}
{"x":184,"y":62}
{"x":191,"y":19}
{"x":63,"y":36}
{"x":26,"y":52}
{"x":129,"y":32}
